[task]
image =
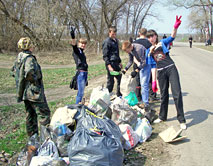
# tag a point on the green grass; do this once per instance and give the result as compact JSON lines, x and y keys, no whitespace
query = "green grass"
{"x":7,"y":57}
{"x":13,"y":135}
{"x":7,"y":82}
{"x":209,"y":48}
{"x":52,"y":77}
{"x":12,"y":130}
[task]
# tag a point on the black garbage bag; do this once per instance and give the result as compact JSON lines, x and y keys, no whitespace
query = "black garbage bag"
{"x":60,"y":141}
{"x":123,"y":114}
{"x":97,"y":141}
{"x":105,"y":109}
{"x":150,"y":115}
{"x":62,"y":144}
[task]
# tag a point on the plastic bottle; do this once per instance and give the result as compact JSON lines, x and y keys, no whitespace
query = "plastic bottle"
{"x":60,"y":129}
{"x":139,"y":115}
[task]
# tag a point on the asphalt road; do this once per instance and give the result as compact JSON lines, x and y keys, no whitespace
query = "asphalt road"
{"x":195,"y":68}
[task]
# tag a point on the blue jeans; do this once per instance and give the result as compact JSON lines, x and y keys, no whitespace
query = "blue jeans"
{"x":81,"y":82}
{"x":144,"y":80}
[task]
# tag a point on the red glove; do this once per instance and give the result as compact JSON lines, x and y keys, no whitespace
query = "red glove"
{"x":177,"y":22}
{"x":154,"y":86}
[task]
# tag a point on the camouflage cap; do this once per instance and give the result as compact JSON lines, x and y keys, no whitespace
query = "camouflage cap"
{"x":24,"y":43}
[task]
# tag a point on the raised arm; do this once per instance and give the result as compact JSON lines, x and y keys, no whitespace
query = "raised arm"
{"x":176,"y":26}
{"x":74,"y":41}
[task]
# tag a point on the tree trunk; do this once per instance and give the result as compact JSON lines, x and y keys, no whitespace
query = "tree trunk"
{"x":18,"y":22}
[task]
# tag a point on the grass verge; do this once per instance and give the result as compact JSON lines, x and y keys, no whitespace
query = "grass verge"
{"x":52,"y":77}
{"x":13,"y":135}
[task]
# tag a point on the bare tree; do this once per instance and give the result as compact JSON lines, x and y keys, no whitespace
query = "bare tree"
{"x":111,"y":10}
{"x":135,"y":14}
{"x":17,"y":7}
{"x":205,"y":5}
{"x":46,"y":21}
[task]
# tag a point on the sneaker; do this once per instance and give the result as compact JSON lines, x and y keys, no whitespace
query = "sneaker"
{"x":183,"y":126}
{"x":158,"y":120}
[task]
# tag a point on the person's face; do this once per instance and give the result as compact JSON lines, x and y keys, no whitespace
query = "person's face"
{"x":82,"y":45}
{"x":112,"y":34}
{"x":31,"y":48}
{"x":153,"y":39}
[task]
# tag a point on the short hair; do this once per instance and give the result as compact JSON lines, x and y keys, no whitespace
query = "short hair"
{"x":151,"y":33}
{"x":83,"y":40}
{"x":126,"y":44}
{"x":112,"y":28}
{"x":143,"y":31}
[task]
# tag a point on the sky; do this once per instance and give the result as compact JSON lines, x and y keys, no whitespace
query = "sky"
{"x":168,"y":16}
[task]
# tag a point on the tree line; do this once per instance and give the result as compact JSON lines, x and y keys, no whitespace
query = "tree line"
{"x":200,"y":18}
{"x":47,"y":22}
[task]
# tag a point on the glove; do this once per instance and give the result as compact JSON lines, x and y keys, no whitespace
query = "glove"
{"x":154,"y":86}
{"x":123,"y":71}
{"x":72,"y":32}
{"x":133,"y":74}
{"x":177,"y":22}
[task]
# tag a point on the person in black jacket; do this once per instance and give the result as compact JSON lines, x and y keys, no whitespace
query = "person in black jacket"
{"x":190,"y":41}
{"x":112,"y":60}
{"x":81,"y":64}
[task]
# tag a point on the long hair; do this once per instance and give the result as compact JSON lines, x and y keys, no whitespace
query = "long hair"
{"x":151,"y":33}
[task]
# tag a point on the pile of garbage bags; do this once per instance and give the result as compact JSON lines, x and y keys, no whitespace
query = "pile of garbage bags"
{"x":96,"y":134}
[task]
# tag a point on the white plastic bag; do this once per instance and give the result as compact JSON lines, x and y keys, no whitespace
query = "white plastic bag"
{"x":129,"y":135}
{"x":99,"y":93}
{"x":47,"y":160}
{"x":48,"y":148}
{"x":128,"y":84}
{"x":64,"y":115}
{"x":143,"y":129}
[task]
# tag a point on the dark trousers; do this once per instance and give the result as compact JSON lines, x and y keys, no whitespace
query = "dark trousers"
{"x":166,"y":76}
{"x":110,"y":82}
{"x":138,"y":88}
{"x":190,"y":44}
{"x":34,"y":109}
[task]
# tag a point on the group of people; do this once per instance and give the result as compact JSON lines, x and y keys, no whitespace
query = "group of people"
{"x":150,"y":57}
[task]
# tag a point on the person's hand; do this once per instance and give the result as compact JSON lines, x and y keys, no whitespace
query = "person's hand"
{"x":121,"y":66}
{"x":123,"y":71}
{"x":136,"y":62}
{"x":152,"y":49}
{"x":110,"y":68}
{"x":154,"y":86}
{"x":72,"y":32}
{"x":177,"y":22}
{"x":133,"y":74}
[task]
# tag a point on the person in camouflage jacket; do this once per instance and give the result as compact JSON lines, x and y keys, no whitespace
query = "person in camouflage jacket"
{"x":29,"y":87}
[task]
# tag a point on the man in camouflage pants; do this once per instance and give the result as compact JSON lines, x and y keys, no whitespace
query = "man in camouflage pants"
{"x":30,"y":89}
